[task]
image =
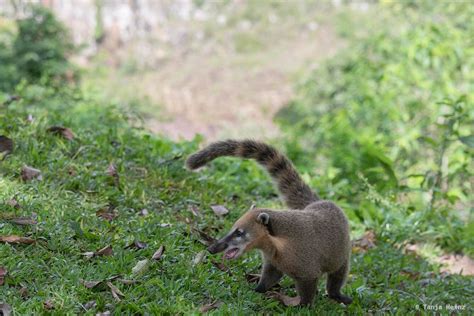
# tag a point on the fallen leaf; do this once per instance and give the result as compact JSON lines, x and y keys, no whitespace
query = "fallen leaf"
{"x":143,"y":212}
{"x":106,"y":251}
{"x":29,"y":173}
{"x":127,"y":282}
{"x":199,"y":257}
{"x":284,"y":299}
{"x":23,"y":221}
{"x":165,"y":225}
{"x":6,"y":145}
{"x":205,"y":238}
{"x":91,"y":284}
{"x":71,"y":171}
{"x":88,"y":254}
{"x":137,"y":245}
{"x":24,"y":292}
{"x":5,"y":309}
{"x":413,"y":275}
{"x":221,"y":266}
{"x":112,"y":171}
{"x":412,"y":249}
{"x":157,"y":255}
{"x":195,"y":210}
{"x":108,"y":213}
{"x":140,"y":267}
{"x":219,"y":210}
{"x":62,"y":131}
{"x":14,"y":203}
{"x":252,"y":278}
{"x":90,"y":305}
{"x":48,"y":305}
{"x":209,"y":307}
{"x":116,"y":293}
{"x":3,"y":274}
{"x":366,"y":242}
{"x":106,"y":313}
{"x":13,"y":239}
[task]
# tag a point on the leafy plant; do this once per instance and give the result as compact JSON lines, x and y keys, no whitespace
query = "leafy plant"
{"x":38,"y":51}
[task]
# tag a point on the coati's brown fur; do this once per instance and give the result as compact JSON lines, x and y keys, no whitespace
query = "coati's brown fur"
{"x":310,"y":239}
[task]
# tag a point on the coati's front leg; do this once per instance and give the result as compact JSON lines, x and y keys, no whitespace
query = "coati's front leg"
{"x":270,"y":277}
{"x":306,"y":290}
{"x":334,"y":284}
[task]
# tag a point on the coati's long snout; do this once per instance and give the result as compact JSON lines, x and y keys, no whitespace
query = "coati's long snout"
{"x":217,"y":246}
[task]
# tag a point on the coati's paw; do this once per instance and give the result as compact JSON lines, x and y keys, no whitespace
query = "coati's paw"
{"x":341,"y":298}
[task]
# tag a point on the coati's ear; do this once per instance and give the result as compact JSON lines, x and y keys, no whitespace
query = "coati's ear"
{"x":252,"y":207}
{"x":263,"y":218}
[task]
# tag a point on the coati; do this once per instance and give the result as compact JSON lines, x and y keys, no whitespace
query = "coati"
{"x":304,"y":242}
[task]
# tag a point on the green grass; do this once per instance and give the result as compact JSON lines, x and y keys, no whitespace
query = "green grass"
{"x":75,"y":185}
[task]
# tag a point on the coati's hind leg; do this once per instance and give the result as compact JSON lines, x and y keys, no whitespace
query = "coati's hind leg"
{"x":334,"y":284}
{"x":270,"y":277}
{"x":306,"y":290}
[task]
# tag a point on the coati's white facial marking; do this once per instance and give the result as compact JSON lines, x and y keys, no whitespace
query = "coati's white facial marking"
{"x":237,"y":241}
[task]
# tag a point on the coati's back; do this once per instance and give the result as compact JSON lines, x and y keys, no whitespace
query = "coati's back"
{"x":295,"y":193}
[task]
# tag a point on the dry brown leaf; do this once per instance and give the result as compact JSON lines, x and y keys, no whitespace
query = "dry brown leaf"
{"x":5,"y":309}
{"x":219,"y":210}
{"x":48,"y":304}
{"x":14,"y":203}
{"x":112,"y":171}
{"x":195,"y":210}
{"x":284,"y":299}
{"x":366,"y":242}
{"x":199,"y":257}
{"x":29,"y":173}
{"x":24,"y":292}
{"x":208,"y":307}
{"x":13,"y":239}
{"x":90,"y":305}
{"x":127,"y":282}
{"x":137,"y":245}
{"x":108,"y":213}
{"x":413,"y":275}
{"x":23,"y":221}
{"x":3,"y":274}
{"x":106,"y":251}
{"x":157,"y":255}
{"x":62,"y":131}
{"x":6,"y":145}
{"x":221,"y":266}
{"x":116,"y":293}
{"x":91,"y":284}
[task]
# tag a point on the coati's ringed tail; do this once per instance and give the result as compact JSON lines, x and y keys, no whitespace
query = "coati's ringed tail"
{"x":295,"y":193}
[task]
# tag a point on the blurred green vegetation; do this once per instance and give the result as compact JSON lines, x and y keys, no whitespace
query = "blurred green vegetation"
{"x":387,"y":125}
{"x":35,"y":49}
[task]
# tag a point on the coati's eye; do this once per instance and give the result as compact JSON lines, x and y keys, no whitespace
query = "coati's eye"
{"x":239,"y":233}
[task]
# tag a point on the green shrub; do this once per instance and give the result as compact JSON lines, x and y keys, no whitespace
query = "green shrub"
{"x":38,"y":50}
